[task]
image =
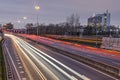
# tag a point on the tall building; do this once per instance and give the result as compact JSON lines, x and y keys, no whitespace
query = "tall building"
{"x":100,"y":20}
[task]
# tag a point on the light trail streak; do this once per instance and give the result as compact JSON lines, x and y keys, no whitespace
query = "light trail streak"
{"x":71,"y":70}
{"x":62,"y":71}
{"x":18,"y":75}
{"x":29,"y":48}
{"x":31,"y":62}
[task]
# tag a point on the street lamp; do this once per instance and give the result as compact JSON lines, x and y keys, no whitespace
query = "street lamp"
{"x":18,"y":25}
{"x":81,"y":32}
{"x":25,"y":18}
{"x":110,"y":33}
{"x":37,"y":8}
{"x":96,"y":33}
{"x":117,"y":32}
{"x":18,"y":21}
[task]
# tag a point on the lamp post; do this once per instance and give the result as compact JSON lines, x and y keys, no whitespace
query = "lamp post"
{"x":19,"y":24}
{"x":96,"y":33}
{"x":117,"y":32}
{"x":81,"y":32}
{"x":110,"y":33}
{"x":25,"y":18}
{"x":37,"y":8}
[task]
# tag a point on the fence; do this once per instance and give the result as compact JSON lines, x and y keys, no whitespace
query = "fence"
{"x":111,"y":43}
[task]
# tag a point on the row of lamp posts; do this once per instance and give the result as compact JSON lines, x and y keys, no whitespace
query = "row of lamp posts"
{"x":37,"y":8}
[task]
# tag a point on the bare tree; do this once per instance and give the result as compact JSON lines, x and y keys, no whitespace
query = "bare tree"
{"x":8,"y":26}
{"x":77,"y":19}
{"x":73,"y":20}
{"x":28,"y":27}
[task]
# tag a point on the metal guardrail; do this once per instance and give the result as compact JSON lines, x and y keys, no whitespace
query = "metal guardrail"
{"x":106,"y":68}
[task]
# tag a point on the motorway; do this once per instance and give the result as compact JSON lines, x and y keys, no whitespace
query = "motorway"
{"x":14,"y":66}
{"x":31,"y":61}
{"x":112,"y":59}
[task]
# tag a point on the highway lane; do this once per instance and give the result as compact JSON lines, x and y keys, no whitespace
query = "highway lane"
{"x":15,"y":70}
{"x":111,"y":61}
{"x":56,"y":70}
{"x":74,"y":65}
{"x":83,"y":52}
{"x":32,"y":71}
{"x":77,"y":66}
{"x":36,"y":63}
{"x":23,"y":68}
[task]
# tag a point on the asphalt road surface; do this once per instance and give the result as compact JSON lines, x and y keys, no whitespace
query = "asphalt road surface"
{"x":31,"y":61}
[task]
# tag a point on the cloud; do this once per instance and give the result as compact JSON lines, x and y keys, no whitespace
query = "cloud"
{"x":55,"y":11}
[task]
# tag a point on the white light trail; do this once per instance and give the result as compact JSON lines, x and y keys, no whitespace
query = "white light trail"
{"x":32,"y":50}
{"x":71,"y":70}
{"x":18,"y":75}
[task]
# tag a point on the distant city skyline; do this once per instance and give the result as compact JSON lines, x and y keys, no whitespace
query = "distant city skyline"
{"x":56,"y":11}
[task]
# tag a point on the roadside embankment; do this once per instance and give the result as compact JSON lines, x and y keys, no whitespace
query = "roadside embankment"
{"x":2,"y":64}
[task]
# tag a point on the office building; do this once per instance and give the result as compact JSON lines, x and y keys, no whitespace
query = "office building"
{"x":100,"y":20}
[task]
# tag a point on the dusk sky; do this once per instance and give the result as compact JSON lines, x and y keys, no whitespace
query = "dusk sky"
{"x":56,"y":11}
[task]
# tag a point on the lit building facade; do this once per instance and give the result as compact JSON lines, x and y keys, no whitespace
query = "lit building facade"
{"x":100,"y":20}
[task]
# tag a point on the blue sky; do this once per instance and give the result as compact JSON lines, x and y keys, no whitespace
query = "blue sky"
{"x":56,"y":11}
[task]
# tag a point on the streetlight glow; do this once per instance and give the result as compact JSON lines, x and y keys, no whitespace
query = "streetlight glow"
{"x":37,"y":7}
{"x":18,"y":21}
{"x":24,"y":17}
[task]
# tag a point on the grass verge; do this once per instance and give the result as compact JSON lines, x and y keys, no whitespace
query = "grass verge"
{"x":2,"y":64}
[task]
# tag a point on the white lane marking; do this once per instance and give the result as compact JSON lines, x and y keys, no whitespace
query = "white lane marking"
{"x":92,"y":68}
{"x":116,"y":63}
{"x":31,"y":62}
{"x":90,"y":56}
{"x":13,"y":63}
{"x":85,"y":65}
{"x":36,"y":68}
{"x":81,"y":76}
{"x":24,"y":79}
{"x":113,"y":55}
{"x":21,"y":72}
{"x":20,"y":67}
{"x":74,"y":78}
{"x":76,"y":73}
{"x":17,"y":57}
{"x":19,"y":63}
{"x":54,"y":65}
{"x":17,"y":60}
{"x":65,"y":73}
